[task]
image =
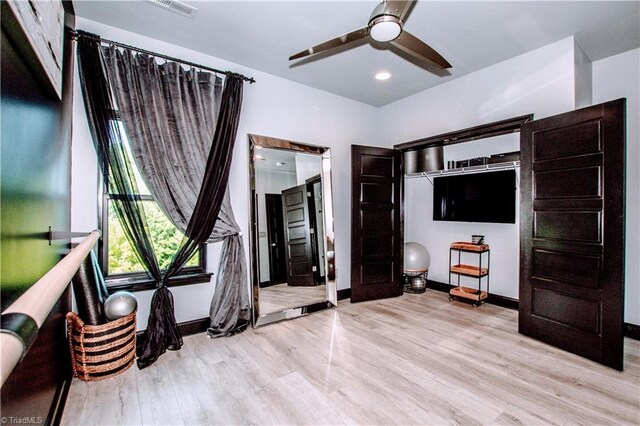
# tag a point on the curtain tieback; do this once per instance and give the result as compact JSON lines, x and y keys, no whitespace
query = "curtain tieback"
{"x":163,"y":282}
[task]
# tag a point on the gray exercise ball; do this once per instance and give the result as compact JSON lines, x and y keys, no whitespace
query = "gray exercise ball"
{"x":120,"y":304}
{"x":416,"y":257}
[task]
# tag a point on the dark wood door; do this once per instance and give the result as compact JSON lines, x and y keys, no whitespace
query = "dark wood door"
{"x":317,"y":230}
{"x":297,"y":236}
{"x":275,"y":239}
{"x":572,"y":231}
{"x":376,"y":223}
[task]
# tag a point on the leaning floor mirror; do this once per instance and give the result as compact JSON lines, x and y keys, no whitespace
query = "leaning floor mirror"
{"x":292,"y":238}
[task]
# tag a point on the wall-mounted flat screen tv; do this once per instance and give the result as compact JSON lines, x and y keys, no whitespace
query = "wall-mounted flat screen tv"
{"x":476,"y":197}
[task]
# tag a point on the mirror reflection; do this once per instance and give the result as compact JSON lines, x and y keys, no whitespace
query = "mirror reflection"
{"x":289,"y":228}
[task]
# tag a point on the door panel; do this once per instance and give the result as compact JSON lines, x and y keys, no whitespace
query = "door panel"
{"x":561,"y":142}
{"x":297,"y":236}
{"x":571,"y":311}
{"x":581,"y":182}
{"x":295,"y":215}
{"x":377,"y":193}
{"x":376,"y":223}
{"x":377,"y":273}
{"x":376,"y":165}
{"x":571,"y":268}
{"x":568,"y":225}
{"x":571,"y":264}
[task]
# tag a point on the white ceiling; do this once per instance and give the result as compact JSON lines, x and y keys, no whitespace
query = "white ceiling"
{"x":270,"y":158}
{"x":470,"y":35}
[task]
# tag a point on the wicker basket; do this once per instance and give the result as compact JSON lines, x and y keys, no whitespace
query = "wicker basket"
{"x":101,"y":351}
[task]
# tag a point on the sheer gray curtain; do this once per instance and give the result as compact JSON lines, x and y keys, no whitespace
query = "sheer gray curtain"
{"x":229,"y":311}
{"x":170,"y":116}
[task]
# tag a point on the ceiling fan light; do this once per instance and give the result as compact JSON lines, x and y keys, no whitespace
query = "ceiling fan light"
{"x":384,"y":30}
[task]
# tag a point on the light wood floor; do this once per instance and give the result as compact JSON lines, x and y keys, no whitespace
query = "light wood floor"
{"x":279,"y":297}
{"x":417,"y":359}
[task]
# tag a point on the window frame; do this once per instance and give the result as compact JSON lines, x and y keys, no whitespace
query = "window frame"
{"x":139,"y":281}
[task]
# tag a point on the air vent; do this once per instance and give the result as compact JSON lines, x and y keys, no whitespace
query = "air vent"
{"x":175,"y":6}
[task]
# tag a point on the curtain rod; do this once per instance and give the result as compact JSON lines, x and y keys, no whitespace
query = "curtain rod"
{"x":79,"y":33}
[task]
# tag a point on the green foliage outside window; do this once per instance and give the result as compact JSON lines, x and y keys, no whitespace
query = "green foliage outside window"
{"x":164,"y":236}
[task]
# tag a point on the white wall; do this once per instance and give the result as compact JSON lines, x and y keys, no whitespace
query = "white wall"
{"x":272,"y":107}
{"x":307,"y":166}
{"x":541,"y":82}
{"x":619,"y":77}
{"x":583,"y":77}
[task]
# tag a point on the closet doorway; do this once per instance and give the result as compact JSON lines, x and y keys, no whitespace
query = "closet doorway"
{"x":571,"y":279}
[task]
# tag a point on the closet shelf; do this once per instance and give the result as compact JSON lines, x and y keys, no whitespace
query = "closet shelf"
{"x":471,"y":169}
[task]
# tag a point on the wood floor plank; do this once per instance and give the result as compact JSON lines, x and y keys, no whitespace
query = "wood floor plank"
{"x":158,"y":402}
{"x":105,"y":402}
{"x":416,"y":359}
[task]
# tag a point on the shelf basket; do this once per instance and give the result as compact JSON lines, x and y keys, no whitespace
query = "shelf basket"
{"x":101,"y":351}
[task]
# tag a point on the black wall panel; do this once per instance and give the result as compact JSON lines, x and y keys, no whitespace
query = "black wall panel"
{"x":35,"y":191}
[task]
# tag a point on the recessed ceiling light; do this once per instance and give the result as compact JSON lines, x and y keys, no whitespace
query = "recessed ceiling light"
{"x":258,"y":157}
{"x":383,"y":75}
{"x":258,"y":147}
{"x":280,"y":163}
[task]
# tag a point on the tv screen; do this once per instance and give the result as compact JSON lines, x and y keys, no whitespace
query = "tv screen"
{"x":478,"y":197}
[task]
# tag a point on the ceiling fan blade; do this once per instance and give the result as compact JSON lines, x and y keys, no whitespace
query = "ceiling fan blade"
{"x":418,"y":49}
{"x":336,"y":42}
{"x":399,"y":8}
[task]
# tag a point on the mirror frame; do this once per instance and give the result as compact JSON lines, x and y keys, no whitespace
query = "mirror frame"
{"x":331,"y":299}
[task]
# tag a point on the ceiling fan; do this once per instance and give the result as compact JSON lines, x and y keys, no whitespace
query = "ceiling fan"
{"x":385,"y":26}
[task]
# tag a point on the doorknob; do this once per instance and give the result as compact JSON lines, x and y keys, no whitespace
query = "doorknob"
{"x":273,"y":244}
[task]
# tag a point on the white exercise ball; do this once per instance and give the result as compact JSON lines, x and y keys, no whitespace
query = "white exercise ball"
{"x":120,"y":304}
{"x":416,"y":257}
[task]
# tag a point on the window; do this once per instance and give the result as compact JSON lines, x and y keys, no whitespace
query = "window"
{"x":121,"y":266}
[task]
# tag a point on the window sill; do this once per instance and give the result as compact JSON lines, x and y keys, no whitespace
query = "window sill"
{"x":134,"y":284}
